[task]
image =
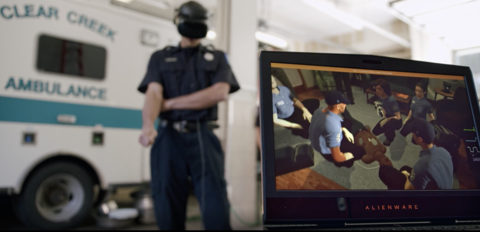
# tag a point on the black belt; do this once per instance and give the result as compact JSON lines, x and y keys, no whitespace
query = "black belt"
{"x":187,"y":126}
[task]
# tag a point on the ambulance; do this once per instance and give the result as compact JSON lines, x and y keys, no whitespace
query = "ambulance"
{"x":70,"y":112}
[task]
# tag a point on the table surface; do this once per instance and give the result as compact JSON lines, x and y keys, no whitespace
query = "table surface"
{"x":440,"y":91}
{"x":305,"y":179}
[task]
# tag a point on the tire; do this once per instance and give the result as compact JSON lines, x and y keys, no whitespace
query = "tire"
{"x":56,"y":196}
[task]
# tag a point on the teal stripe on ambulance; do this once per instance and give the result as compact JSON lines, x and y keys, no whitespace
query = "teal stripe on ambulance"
{"x":46,"y":112}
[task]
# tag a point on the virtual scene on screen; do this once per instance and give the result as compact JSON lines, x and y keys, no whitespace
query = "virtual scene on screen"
{"x":340,"y":131}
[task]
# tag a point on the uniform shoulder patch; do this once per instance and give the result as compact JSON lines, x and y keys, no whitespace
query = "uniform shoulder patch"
{"x":226,"y":57}
{"x":210,"y":48}
{"x":412,"y":175}
{"x":208,"y":56}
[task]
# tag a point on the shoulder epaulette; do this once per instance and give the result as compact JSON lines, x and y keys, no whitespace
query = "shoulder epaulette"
{"x":170,"y":48}
{"x":209,"y":48}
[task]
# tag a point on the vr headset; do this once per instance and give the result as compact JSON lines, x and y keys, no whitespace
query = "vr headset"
{"x":191,"y":20}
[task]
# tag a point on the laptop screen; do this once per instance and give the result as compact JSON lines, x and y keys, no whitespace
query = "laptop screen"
{"x":361,"y":129}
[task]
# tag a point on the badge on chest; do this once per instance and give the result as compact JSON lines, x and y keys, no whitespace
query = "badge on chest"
{"x":171,"y":59}
{"x":280,"y":103}
{"x":208,"y":56}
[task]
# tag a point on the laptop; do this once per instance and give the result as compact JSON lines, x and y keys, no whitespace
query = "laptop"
{"x":356,"y":179}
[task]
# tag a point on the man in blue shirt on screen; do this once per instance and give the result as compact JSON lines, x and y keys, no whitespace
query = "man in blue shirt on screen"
{"x":434,"y":168}
{"x":327,"y":133}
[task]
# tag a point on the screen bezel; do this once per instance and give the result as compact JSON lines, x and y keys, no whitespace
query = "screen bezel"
{"x":346,"y":61}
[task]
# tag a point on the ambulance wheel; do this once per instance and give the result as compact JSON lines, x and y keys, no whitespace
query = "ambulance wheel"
{"x":56,"y":196}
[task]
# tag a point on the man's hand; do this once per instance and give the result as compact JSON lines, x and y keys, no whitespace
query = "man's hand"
{"x":406,"y":173}
{"x":148,"y":136}
{"x":296,"y":126}
{"x":348,"y":135}
{"x":167,"y":105}
{"x":307,"y":115}
{"x":348,"y":156}
{"x":383,"y":122}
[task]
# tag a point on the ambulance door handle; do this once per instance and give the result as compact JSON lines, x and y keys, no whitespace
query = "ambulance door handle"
{"x":67,"y":119}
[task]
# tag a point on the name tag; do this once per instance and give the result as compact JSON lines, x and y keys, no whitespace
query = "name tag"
{"x":281,"y":103}
{"x":171,"y":59}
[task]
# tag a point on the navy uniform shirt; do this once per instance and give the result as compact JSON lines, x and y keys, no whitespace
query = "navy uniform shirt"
{"x":420,"y":107}
{"x":183,"y":71}
{"x":434,"y":168}
{"x":325,"y":131}
{"x":390,"y":105}
{"x":282,"y":102}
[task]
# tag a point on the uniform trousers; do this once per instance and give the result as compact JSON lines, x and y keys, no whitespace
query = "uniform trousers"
{"x":297,"y":117}
{"x":389,"y":128}
{"x":394,"y":179}
{"x":174,"y":157}
{"x":346,"y":146}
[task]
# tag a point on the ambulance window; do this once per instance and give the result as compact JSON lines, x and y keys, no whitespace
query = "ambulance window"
{"x":69,"y":57}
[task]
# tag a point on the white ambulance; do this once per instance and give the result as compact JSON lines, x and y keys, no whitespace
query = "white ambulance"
{"x":70,"y":112}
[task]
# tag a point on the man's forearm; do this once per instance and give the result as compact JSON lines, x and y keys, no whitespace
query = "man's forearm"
{"x":408,"y":185}
{"x":151,"y":108}
{"x":283,"y":123}
{"x":337,"y":155}
{"x":299,"y":104}
{"x":200,"y":100}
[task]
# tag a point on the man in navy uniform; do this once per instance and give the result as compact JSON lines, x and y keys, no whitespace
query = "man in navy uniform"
{"x":420,"y":107}
{"x":392,"y":120}
{"x":183,"y":86}
{"x":433,"y":170}
{"x":327,"y":133}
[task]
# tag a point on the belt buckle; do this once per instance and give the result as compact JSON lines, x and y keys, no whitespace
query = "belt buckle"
{"x":181,"y":126}
{"x":163,"y":123}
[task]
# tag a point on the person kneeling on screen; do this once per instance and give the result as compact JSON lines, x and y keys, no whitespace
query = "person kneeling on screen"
{"x":327,"y":133}
{"x":287,"y":115}
{"x":420,"y":106}
{"x":392,"y":120}
{"x":433,"y":170}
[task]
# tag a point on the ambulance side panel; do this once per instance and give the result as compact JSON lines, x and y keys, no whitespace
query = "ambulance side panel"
{"x":31,"y":99}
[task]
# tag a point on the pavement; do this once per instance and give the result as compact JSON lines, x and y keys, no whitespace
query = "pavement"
{"x":8,"y":220}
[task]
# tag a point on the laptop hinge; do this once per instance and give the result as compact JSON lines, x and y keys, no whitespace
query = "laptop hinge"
{"x":386,"y":223}
{"x":466,"y":221}
{"x":291,"y":225}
